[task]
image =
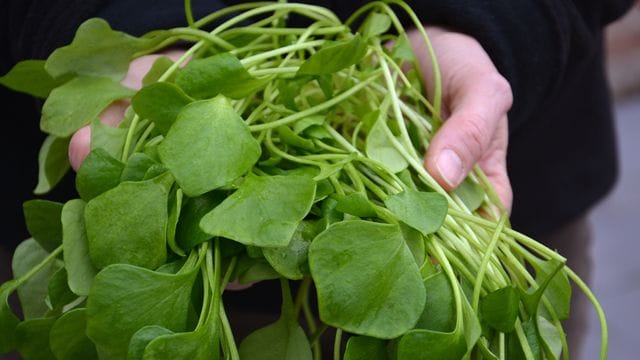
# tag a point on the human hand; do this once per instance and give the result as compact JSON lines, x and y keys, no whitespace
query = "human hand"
{"x":475,"y":99}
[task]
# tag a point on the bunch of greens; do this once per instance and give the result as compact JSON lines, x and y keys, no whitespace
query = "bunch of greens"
{"x":276,"y":152}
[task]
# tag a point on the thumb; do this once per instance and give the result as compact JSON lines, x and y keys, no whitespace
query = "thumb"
{"x":477,"y":107}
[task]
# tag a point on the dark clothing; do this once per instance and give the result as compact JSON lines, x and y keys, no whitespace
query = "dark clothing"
{"x":562,"y":156}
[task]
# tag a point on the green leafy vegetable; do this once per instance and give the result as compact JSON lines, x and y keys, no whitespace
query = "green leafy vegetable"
{"x":159,"y":67}
{"x":218,"y":74}
{"x":282,"y":340}
{"x":291,"y":261}
{"x":375,"y":24}
{"x":379,"y":146}
{"x":334,"y":57}
{"x":365,"y":348}
{"x":67,"y":337}
{"x":99,"y":172}
{"x":109,"y":138}
{"x":500,"y":309}
{"x":275,"y":205}
{"x":142,"y":338}
{"x":8,"y":320}
{"x":268,"y":152}
{"x":137,"y":167}
{"x":96,"y":50}
{"x":217,"y":133}
{"x":422,"y":211}
{"x":32,"y":339}
{"x":30,"y":77}
{"x":43,"y":222}
{"x":53,"y":163}
{"x":59,"y":293}
{"x":188,"y":232}
{"x":77,"y":261}
{"x":34,"y":291}
{"x":160,"y":103}
{"x":356,"y":204}
{"x":114,"y":313}
{"x":127,"y":224}
{"x":77,"y":102}
{"x":366,"y":278}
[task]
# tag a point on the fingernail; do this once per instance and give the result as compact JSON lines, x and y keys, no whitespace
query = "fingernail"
{"x":450,"y":167}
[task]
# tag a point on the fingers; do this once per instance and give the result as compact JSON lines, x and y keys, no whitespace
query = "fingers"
{"x":474,"y":133}
{"x":80,"y":143}
{"x":475,"y":100}
{"x":467,"y":134}
{"x":79,"y":147}
{"x":494,"y":165}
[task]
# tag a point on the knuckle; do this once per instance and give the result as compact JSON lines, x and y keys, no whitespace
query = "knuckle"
{"x":475,"y":135}
{"x":500,"y":90}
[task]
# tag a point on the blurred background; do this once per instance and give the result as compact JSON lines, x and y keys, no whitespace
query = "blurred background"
{"x":616,"y":280}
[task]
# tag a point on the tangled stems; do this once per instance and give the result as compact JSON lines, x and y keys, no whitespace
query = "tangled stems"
{"x":487,"y":254}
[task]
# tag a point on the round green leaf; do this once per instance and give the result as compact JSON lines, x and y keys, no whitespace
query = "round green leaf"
{"x":76,"y":248}
{"x":423,"y":211}
{"x":380,"y":147}
{"x":291,"y":261}
{"x":208,"y":146}
{"x":99,"y":172}
{"x":282,"y":340}
{"x":32,"y":339}
{"x":125,"y":298}
{"x":33,"y":292}
{"x":218,"y":74}
{"x":142,"y":338}
{"x":365,"y":348}
{"x":127,"y":224}
{"x":43,"y":222}
{"x":334,"y":57}
{"x":500,"y":308}
{"x":366,"y":278}
{"x":77,"y":102}
{"x":160,"y":102}
{"x":68,"y":340}
{"x":264,"y":211}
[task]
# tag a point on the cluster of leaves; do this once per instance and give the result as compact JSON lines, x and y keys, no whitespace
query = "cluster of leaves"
{"x":275,"y":153}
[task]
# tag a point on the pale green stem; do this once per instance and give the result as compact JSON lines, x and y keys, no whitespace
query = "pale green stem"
{"x":202,"y":35}
{"x":22,"y":279}
{"x":228,"y":334}
{"x":337,"y":343}
{"x":248,"y":61}
{"x":526,"y":349}
{"x":604,"y":330}
{"x":485,"y":261}
{"x":315,"y":109}
{"x":188,"y":12}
